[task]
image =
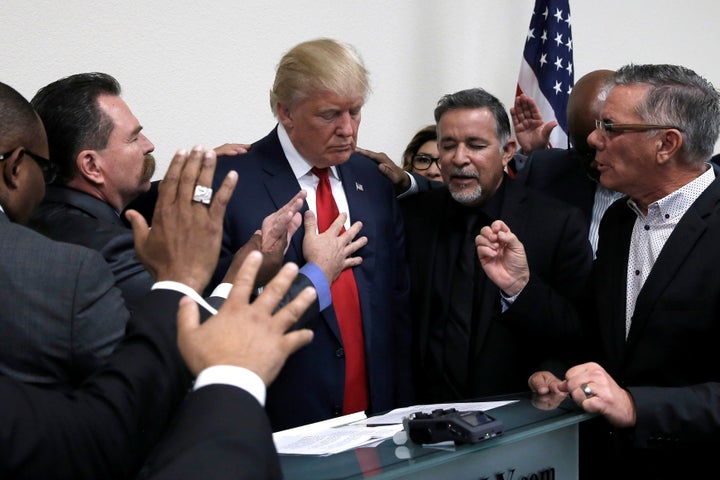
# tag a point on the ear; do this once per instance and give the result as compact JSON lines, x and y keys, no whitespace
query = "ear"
{"x":669,"y":143}
{"x":508,"y":151}
{"x":89,"y":164}
{"x":284,"y":115}
{"x":13,"y":169}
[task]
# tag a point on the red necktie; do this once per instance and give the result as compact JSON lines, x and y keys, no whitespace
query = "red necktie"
{"x":347,"y":307}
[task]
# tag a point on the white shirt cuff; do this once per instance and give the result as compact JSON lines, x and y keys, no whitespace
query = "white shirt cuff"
{"x":184,"y":289}
{"x":410,"y":191}
{"x":222,"y":290}
{"x":235,"y":376}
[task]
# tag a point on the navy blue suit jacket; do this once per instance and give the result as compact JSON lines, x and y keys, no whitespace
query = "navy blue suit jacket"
{"x":310,"y":385}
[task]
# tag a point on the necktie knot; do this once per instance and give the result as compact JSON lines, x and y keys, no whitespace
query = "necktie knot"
{"x":321,"y":173}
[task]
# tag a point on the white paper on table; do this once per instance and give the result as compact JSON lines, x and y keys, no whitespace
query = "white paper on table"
{"x":355,"y":430}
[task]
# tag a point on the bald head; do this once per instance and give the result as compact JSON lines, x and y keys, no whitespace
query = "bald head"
{"x":584,"y":107}
{"x":18,"y":122}
{"x":22,"y":186}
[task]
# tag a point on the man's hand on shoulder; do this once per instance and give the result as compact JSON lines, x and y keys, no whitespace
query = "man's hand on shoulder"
{"x":390,"y":169}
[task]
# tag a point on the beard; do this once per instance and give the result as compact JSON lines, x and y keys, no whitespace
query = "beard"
{"x":465,"y":196}
{"x":148,"y":169}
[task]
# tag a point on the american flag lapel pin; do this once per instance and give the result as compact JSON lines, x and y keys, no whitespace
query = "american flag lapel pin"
{"x":359,"y":187}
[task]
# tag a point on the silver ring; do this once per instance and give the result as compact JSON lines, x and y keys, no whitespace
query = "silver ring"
{"x":202,"y":194}
{"x":587,"y":390}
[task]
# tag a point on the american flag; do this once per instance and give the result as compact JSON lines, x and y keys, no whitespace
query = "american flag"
{"x":546,"y":71}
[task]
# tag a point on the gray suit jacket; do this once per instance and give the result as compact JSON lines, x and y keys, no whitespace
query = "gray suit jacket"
{"x":60,"y":316}
{"x":69,"y":215}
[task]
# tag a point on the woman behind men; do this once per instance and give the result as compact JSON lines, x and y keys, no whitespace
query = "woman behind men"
{"x":421,"y":154}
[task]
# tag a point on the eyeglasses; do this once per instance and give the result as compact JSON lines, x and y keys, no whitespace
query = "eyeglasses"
{"x":49,"y":169}
{"x":606,"y":126}
{"x":423,"y":161}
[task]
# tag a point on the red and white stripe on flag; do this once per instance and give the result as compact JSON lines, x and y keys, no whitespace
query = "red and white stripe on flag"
{"x":546,"y":70}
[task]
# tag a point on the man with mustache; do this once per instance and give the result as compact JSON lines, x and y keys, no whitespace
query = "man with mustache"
{"x":104,"y":161}
{"x":468,"y":344}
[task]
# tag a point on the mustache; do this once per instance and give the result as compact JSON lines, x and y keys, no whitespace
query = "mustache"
{"x":464,"y":173}
{"x":148,"y":166}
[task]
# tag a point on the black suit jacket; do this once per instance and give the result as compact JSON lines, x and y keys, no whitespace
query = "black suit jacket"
{"x":220,"y":432}
{"x":558,"y":173}
{"x":106,"y":427}
{"x":69,"y":215}
{"x":310,"y":386}
{"x":507,"y":348}
{"x":669,"y":361}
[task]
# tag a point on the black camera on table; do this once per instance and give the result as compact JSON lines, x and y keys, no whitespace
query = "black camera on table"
{"x":451,"y":425}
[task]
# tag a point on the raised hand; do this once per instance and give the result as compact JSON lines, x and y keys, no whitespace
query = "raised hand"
{"x":184,"y":242}
{"x":502,"y":256}
{"x":531,"y":131}
{"x":272,"y":240}
{"x":246,"y":334}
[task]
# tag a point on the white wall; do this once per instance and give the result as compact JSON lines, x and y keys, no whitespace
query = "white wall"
{"x":201,"y":75}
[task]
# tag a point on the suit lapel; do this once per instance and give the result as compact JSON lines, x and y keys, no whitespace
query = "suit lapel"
{"x":610,"y":275}
{"x":281,"y":185}
{"x":361,"y":198}
{"x":679,"y":245}
{"x":433,"y":209}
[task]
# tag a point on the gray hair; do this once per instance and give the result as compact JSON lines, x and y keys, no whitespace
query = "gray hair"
{"x":678,"y":96}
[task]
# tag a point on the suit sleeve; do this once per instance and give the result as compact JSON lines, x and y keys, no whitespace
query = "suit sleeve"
{"x":547,"y":307}
{"x":99,"y":316}
{"x":220,"y":432}
{"x":106,"y":427}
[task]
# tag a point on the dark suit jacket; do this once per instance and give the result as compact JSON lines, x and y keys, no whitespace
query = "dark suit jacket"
{"x":310,"y":385}
{"x":106,"y":427}
{"x":220,"y":432}
{"x":60,"y":315}
{"x":556,"y":172}
{"x":69,"y":215}
{"x":507,"y":348}
{"x":669,"y":361}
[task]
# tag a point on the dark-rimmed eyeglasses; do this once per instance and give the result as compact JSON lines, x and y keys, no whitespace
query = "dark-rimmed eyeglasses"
{"x":49,"y":169}
{"x":607,"y":126}
{"x":423,"y":161}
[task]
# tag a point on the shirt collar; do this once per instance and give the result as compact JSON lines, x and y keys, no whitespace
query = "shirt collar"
{"x":678,"y":202}
{"x":299,"y":165}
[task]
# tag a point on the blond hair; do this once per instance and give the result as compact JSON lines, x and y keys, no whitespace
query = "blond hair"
{"x":315,"y":66}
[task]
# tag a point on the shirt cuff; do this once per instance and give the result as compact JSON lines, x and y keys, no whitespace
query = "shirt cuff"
{"x":506,"y":301}
{"x":222,"y":290}
{"x":413,"y":187}
{"x":184,"y":289}
{"x":319,"y":281}
{"x":235,"y":376}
